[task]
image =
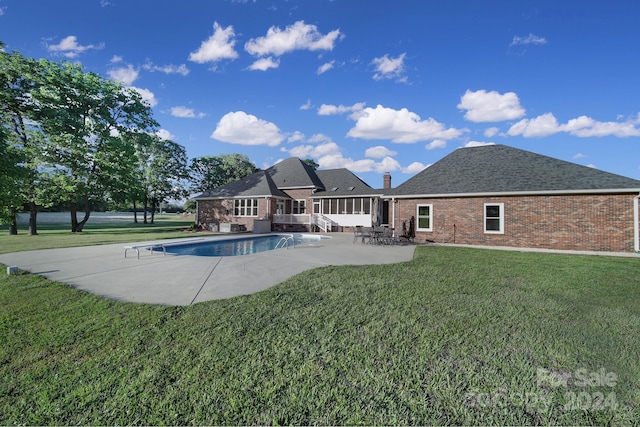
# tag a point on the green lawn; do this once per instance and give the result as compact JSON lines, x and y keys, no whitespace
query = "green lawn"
{"x":59,"y":235}
{"x":455,"y":336}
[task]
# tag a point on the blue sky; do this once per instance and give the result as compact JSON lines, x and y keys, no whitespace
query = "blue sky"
{"x":373,"y":86}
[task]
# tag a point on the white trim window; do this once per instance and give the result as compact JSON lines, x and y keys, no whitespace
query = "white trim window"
{"x":494,"y":218}
{"x":299,"y":207}
{"x":245,"y":207}
{"x":424,"y":215}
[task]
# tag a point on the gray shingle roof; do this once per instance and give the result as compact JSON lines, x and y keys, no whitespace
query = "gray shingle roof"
{"x":342,"y":182}
{"x":258,"y":184}
{"x":293,"y":173}
{"x":501,"y":169}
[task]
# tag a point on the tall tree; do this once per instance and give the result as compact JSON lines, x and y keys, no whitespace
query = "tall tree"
{"x":209,"y":172}
{"x":163,"y":171}
{"x":10,"y":176}
{"x":20,"y":78}
{"x":88,"y":120}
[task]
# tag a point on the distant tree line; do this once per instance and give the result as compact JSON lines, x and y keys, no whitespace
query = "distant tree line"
{"x":71,"y":138}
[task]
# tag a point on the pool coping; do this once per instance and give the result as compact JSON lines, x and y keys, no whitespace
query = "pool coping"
{"x":187,"y":279}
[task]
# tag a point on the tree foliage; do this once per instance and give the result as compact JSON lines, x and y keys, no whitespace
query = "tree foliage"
{"x":10,"y":175}
{"x":162,"y":170}
{"x":20,"y":77}
{"x":209,"y":172}
{"x":89,"y":120}
{"x":71,"y":136}
{"x":312,"y":163}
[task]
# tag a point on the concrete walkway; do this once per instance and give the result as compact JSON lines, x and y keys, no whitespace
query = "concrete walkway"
{"x":184,"y":280}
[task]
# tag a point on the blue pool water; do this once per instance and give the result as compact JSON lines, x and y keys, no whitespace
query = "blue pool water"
{"x":240,"y":246}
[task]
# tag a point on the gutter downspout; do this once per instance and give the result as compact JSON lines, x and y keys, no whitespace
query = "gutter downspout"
{"x":393,"y":215}
{"x":636,"y":230}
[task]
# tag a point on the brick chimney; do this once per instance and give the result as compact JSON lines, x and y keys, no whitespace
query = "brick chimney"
{"x":386,"y":181}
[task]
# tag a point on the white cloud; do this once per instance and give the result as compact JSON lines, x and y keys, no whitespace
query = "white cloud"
{"x":388,"y":164}
{"x":306,"y":106}
{"x":582,"y":126}
{"x":185,"y":112}
{"x":330,"y":110}
{"x":217,"y":47}
{"x":146,"y":95}
{"x":436,"y":143}
{"x":165,"y":134}
{"x":579,"y":156}
{"x":115,"y":59}
{"x":389,"y":68}
{"x":543,"y":125}
{"x":263,"y":64}
{"x":379,"y":152}
{"x":70,"y":48}
{"x":296,"y":137}
{"x":483,"y":106}
{"x":125,"y":75}
{"x":337,"y":160}
{"x":585,"y":127}
{"x":315,"y":151}
{"x":401,"y":126}
{"x":299,"y":36}
{"x":414,"y":168}
{"x":527,"y":40}
{"x":325,"y":67}
{"x":329,"y":156}
{"x":478,"y":144}
{"x":491,"y":132}
{"x":245,"y":129}
{"x":167,"y":69}
{"x":319,"y":137}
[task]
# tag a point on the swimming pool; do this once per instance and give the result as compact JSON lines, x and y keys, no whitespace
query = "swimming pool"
{"x":241,"y":245}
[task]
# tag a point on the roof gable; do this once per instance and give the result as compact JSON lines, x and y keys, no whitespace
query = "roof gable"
{"x":342,"y":182}
{"x":502,"y":169}
{"x":287,"y":174}
{"x":294,"y":173}
{"x":258,"y":184}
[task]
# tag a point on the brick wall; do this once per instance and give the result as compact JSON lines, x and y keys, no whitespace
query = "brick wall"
{"x":300,"y":194}
{"x":219,"y":211}
{"x":570,"y":222}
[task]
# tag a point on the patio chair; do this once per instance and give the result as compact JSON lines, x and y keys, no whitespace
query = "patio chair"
{"x":387,"y":236}
{"x":367,"y":234}
{"x":358,"y":233}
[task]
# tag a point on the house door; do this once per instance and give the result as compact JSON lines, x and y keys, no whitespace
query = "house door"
{"x":280,"y":207}
{"x":316,"y":206}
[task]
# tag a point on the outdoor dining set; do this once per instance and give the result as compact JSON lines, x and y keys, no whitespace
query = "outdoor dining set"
{"x":374,"y":235}
{"x":383,"y":235}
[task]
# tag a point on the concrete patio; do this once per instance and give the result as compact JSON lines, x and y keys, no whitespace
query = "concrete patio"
{"x":184,"y":280}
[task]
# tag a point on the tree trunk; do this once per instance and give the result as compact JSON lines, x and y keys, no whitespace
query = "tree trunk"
{"x":13,"y":227}
{"x":135,"y":213}
{"x":146,"y":206}
{"x":73,"y":208}
{"x":87,"y":213}
{"x":33,"y":223}
{"x":153,"y":211}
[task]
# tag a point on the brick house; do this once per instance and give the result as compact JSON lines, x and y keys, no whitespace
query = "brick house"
{"x":497,"y":195}
{"x":290,"y":196}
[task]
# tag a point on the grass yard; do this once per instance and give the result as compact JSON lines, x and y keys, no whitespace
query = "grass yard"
{"x":455,"y":336}
{"x":56,"y":235}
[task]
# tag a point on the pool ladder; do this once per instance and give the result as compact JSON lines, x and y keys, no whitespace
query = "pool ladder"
{"x":284,"y":242}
